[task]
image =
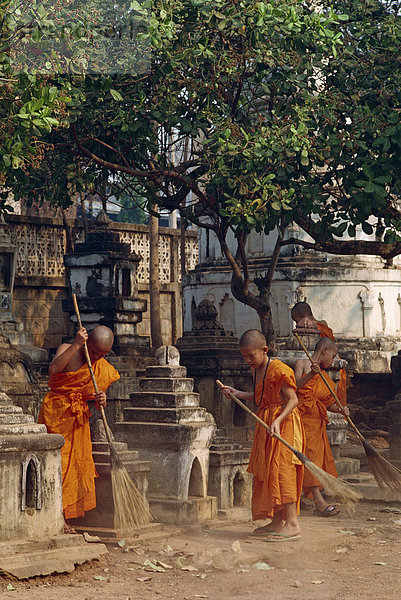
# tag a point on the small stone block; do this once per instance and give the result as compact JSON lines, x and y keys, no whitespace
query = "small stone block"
{"x":166,"y":371}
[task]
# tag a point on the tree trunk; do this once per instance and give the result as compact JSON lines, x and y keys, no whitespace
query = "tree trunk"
{"x":261,"y":303}
{"x":154,"y":286}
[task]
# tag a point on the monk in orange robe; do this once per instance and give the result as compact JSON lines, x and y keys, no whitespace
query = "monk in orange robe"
{"x":314,"y":401}
{"x":302,"y":314}
{"x":277,"y":472}
{"x":65,"y":411}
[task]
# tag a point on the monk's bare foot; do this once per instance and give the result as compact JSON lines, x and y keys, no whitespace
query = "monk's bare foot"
{"x":275,"y":525}
{"x":266,"y":529}
{"x":289,"y":530}
{"x":69,"y":528}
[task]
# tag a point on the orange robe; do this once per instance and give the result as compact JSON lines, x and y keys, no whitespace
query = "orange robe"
{"x":65,"y":410}
{"x":277,"y":472}
{"x":314,"y":398}
{"x":341,"y":391}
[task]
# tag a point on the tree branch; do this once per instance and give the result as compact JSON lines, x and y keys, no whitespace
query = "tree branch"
{"x":349,"y":247}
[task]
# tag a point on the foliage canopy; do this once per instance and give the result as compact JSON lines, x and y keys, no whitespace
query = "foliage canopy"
{"x":247,"y":116}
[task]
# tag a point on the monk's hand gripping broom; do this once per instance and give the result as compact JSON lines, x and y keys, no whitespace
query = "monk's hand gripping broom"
{"x":131,"y":510}
{"x":386,"y":474}
{"x":331,"y":484}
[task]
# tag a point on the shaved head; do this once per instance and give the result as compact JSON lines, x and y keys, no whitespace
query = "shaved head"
{"x":326,"y":343}
{"x":300,"y":310}
{"x":253,"y":338}
{"x":101,"y":338}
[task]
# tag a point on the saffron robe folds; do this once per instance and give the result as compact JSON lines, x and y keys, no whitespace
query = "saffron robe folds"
{"x":65,"y":411}
{"x":341,"y":390}
{"x":314,"y":398}
{"x":277,"y":473}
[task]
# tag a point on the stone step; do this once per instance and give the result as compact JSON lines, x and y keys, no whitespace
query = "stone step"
{"x":347,"y":466}
{"x":161,"y":384}
{"x":109,"y":535}
{"x":225,"y":447}
{"x":10,"y":409}
{"x":104,"y":446}
{"x":56,"y":560}
{"x":21,"y":546}
{"x":21,"y":428}
{"x":165,"y":399}
{"x":164,"y":415}
{"x":174,"y":371}
{"x":126,"y":456}
{"x":184,"y":512}
{"x":133,"y":467}
{"x":14,"y":418}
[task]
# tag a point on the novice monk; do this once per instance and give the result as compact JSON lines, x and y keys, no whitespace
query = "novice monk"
{"x":302,"y":314}
{"x":314,"y":401}
{"x":65,"y":411}
{"x":277,"y":473}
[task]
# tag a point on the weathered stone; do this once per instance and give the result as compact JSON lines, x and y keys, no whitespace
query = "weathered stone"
{"x":103,"y":275}
{"x":170,"y":429}
{"x":210,"y":352}
{"x":167,"y":355}
{"x":53,"y":555}
{"x":100,"y":520}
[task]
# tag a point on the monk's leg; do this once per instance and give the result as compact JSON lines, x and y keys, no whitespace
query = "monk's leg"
{"x":276,"y":524}
{"x":321,"y":506}
{"x":291,"y":526}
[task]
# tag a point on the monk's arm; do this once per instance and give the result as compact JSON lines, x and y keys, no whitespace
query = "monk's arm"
{"x":66,"y":351}
{"x":239,"y":393}
{"x":336,"y":409}
{"x":300,"y":376}
{"x":292,"y":402}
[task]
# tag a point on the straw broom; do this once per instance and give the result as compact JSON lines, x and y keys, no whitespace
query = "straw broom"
{"x":386,"y":474}
{"x":131,"y":510}
{"x":332,"y":485}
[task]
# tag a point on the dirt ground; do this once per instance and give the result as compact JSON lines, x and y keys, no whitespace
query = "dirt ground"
{"x":338,"y":558}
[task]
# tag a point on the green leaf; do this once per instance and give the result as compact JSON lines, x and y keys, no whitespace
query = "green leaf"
{"x":367,"y":228}
{"x":116,"y":95}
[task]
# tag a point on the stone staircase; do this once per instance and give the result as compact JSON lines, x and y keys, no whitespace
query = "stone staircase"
{"x":166,"y":423}
{"x":100,"y":520}
{"x":223,"y":443}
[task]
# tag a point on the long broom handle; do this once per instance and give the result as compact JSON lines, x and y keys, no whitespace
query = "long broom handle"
{"x":332,"y":392}
{"x":92,"y":374}
{"x":259,"y":420}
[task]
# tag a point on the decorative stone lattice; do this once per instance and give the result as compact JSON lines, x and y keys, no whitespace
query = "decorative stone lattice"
{"x":41,"y":248}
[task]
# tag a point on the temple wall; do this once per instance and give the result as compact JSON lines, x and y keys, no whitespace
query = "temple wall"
{"x":359,"y":296}
{"x":41,"y":281}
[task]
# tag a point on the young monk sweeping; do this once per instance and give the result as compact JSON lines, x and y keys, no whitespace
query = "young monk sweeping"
{"x":314,"y":401}
{"x":65,"y":411}
{"x":302,"y":314}
{"x":277,"y":473}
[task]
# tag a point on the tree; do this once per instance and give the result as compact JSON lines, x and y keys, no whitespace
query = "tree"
{"x":288,"y":112}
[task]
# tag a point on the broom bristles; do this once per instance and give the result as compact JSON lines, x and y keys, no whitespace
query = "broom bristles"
{"x":334,"y":486}
{"x":131,"y":510}
{"x":386,"y":474}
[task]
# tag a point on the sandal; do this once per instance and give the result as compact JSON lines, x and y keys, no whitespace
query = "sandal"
{"x":329,"y":511}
